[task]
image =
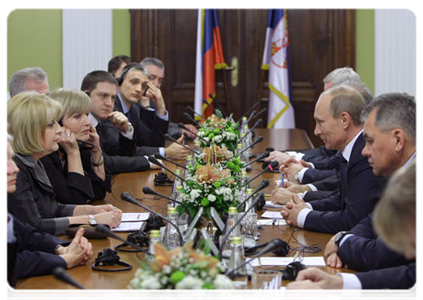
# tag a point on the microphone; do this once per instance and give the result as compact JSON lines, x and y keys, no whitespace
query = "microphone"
{"x":61,"y":274}
{"x":153,"y":160}
{"x":271,"y":166}
{"x":217,"y":104}
{"x":194,"y":112}
{"x":258,"y":123}
{"x":147,"y":190}
{"x":261,"y":156}
{"x":249,"y":111}
{"x":209,"y":105}
{"x":256,"y":141}
{"x":105,"y":230}
{"x":159,"y":156}
{"x":182,"y":126}
{"x":259,"y":113}
{"x":186,"y":115}
{"x":175,"y":141}
{"x":128,"y":197}
{"x":273,"y":244}
{"x":258,"y":198}
{"x":262,"y":185}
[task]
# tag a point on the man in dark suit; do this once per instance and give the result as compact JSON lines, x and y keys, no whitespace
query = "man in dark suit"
{"x":150,"y":124}
{"x":338,"y":124}
{"x":390,"y":134}
{"x":398,"y":233}
{"x":115,"y":131}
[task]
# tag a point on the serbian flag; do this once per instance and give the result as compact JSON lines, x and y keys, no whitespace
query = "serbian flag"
{"x":209,"y":59}
{"x":276,"y":61}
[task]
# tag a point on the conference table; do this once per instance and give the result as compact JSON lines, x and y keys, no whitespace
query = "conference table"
{"x":280,"y":139}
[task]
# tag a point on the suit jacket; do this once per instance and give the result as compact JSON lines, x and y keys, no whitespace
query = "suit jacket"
{"x":319,"y":156}
{"x":119,"y":153}
{"x":149,"y":129}
{"x":34,"y":202}
{"x":358,"y":193}
{"x":74,"y":188}
{"x":402,"y":277}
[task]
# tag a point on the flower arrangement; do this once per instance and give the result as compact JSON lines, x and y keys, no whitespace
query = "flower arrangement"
{"x":209,"y":186}
{"x":218,"y":131}
{"x":180,"y":268}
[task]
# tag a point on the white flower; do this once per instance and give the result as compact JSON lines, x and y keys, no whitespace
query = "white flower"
{"x":189,"y":283}
{"x":223,"y":282}
{"x":166,"y":269}
{"x":194,"y":194}
{"x":151,"y":283}
{"x":211,"y":198}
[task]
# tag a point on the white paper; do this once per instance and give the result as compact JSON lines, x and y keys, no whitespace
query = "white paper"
{"x":135,"y":217}
{"x":271,"y":205}
{"x":272,"y":215}
{"x":267,"y":222}
{"x":129,"y":226}
{"x":316,"y":261}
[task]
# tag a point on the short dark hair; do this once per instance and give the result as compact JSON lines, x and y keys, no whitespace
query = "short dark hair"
{"x":129,"y":68}
{"x":116,"y":61}
{"x":90,"y":81}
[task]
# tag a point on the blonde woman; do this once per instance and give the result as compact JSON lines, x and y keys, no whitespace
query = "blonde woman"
{"x":32,"y":119}
{"x":76,"y":171}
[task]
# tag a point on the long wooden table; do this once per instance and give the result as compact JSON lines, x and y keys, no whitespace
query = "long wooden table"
{"x":280,"y":139}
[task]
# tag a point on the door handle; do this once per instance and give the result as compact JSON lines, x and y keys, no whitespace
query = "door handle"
{"x":234,"y":69}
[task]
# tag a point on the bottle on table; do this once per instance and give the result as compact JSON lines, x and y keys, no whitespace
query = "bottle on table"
{"x":154,"y":239}
{"x":239,"y":276}
{"x":172,"y":239}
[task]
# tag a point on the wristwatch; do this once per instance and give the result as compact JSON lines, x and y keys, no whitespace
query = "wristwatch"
{"x":92,"y":220}
{"x":339,"y":236}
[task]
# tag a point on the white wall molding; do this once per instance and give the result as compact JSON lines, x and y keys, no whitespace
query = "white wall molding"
{"x":395,"y":51}
{"x":87,"y":43}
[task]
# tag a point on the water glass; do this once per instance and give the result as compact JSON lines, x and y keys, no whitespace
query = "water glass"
{"x":267,"y":280}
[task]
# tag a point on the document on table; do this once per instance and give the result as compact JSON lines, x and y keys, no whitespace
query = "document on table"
{"x":272,"y":215}
{"x":271,"y":205}
{"x":268,"y":222}
{"x":316,"y":261}
{"x":129,"y":226}
{"x":135,"y":217}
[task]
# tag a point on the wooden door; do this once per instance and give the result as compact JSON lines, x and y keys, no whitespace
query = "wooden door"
{"x":320,"y":41}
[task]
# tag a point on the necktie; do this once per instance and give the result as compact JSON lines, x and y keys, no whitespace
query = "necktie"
{"x":343,"y":171}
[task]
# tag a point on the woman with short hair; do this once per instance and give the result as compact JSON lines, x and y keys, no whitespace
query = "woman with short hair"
{"x":32,"y":119}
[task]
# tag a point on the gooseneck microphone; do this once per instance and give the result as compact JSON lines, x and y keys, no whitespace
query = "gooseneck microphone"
{"x":209,"y":105}
{"x":248,"y":111}
{"x":194,"y":112}
{"x":262,"y":185}
{"x":182,"y":126}
{"x":170,"y":138}
{"x":271,"y":166}
{"x":273,"y":244}
{"x":129,"y":198}
{"x":186,"y":115}
{"x":153,"y":160}
{"x":217,"y":105}
{"x":256,"y":141}
{"x":159,"y":156}
{"x":61,"y":274}
{"x":259,"y":113}
{"x":105,"y":230}
{"x":258,"y":123}
{"x":261,"y":156}
{"x":257,"y":199}
{"x":148,"y":191}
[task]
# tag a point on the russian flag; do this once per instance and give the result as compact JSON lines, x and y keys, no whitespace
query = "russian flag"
{"x":209,"y":58}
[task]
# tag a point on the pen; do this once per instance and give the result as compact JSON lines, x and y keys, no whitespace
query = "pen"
{"x":282,"y":178}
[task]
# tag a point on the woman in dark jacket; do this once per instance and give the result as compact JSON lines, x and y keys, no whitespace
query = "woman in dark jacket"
{"x":76,"y":171}
{"x":32,"y":119}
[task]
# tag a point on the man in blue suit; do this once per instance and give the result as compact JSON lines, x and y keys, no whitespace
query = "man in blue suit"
{"x":397,"y":229}
{"x":390,"y":134}
{"x":338,"y":124}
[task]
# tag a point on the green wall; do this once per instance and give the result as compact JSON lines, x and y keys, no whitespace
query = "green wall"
{"x":34,"y":38}
{"x":365,"y":46}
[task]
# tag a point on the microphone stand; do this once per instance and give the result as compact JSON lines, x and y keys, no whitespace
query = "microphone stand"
{"x":256,"y":141}
{"x":175,"y":141}
{"x":263,"y":155}
{"x":182,"y":126}
{"x":156,"y":162}
{"x":262,"y":185}
{"x":272,"y":165}
{"x":159,"y":156}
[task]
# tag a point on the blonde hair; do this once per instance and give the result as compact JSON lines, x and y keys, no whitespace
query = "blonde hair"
{"x":395,"y":212}
{"x":71,"y":101}
{"x":28,"y":115}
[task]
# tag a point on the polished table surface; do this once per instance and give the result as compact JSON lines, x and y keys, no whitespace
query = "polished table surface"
{"x":281,"y":139}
